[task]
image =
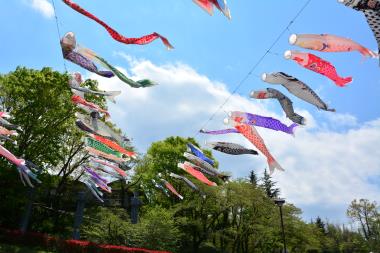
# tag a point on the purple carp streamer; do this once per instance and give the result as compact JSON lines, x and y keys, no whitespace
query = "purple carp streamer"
{"x":69,"y":51}
{"x":371,"y":10}
{"x":329,"y":43}
{"x":261,"y":121}
{"x":286,"y":103}
{"x":99,"y":181}
{"x":297,"y":88}
{"x":231,"y":148}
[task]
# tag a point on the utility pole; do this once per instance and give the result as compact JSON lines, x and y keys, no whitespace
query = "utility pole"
{"x":280,"y":203}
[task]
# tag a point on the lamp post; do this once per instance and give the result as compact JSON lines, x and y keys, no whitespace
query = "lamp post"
{"x":280,"y":202}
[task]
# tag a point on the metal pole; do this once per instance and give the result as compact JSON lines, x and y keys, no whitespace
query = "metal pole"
{"x":283,"y":230}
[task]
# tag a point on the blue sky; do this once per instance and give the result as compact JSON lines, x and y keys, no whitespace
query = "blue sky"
{"x":218,"y":53}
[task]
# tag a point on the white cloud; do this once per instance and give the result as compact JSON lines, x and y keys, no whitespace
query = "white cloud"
{"x":42,"y":6}
{"x":325,"y":169}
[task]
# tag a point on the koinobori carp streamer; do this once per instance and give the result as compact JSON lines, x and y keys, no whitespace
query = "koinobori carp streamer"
{"x":208,"y":5}
{"x":285,"y":102}
{"x":114,"y":34}
{"x":69,"y":51}
{"x":371,"y":10}
{"x":231,"y":148}
{"x":297,"y":88}
{"x":75,"y":82}
{"x":262,"y":121}
{"x":329,"y":43}
{"x":317,"y":65}
{"x":251,"y":134}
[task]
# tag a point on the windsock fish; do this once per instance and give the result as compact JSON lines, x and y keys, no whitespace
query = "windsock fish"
{"x":84,"y":127}
{"x":114,"y":34}
{"x":113,"y":158}
{"x":371,"y":10}
{"x":251,"y":134}
{"x":231,"y":148}
{"x":317,"y":65}
{"x":196,"y":151}
{"x":101,"y":147}
{"x":162,"y":188}
{"x":6,"y":138}
{"x":76,"y":80}
{"x":5,"y":115}
{"x":95,"y":126}
{"x":171,"y":188}
{"x":329,"y":43}
{"x":297,"y":88}
{"x":69,"y":46}
{"x":208,"y":5}
{"x":110,"y":165}
{"x":261,"y":121}
{"x":145,"y":83}
{"x":197,"y":174}
{"x":94,"y":174}
{"x":206,"y":167}
{"x":98,"y":180}
{"x":24,"y":171}
{"x":92,"y":187}
{"x":203,"y":170}
{"x":219,"y":132}
{"x":286,"y":103}
{"x":8,"y":125}
{"x":105,"y":169}
{"x":113,"y":145}
{"x":4,"y":131}
{"x":186,"y":180}
{"x":80,"y":100}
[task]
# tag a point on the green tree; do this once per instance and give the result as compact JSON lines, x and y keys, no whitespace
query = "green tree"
{"x":253,"y":178}
{"x":366,"y":214}
{"x":269,"y":186}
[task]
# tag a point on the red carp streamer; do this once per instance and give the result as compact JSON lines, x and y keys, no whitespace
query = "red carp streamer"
{"x":197,"y":174}
{"x":318,"y":65}
{"x":114,"y":34}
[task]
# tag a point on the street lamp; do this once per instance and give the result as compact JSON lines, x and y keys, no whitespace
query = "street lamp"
{"x":280,"y":202}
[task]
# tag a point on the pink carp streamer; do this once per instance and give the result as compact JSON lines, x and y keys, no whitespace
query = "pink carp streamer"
{"x":24,"y":171}
{"x":114,"y":34}
{"x":318,"y":65}
{"x":329,"y":43}
{"x":171,"y":188}
{"x":251,"y":134}
{"x":197,"y":174}
{"x":4,"y":115}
